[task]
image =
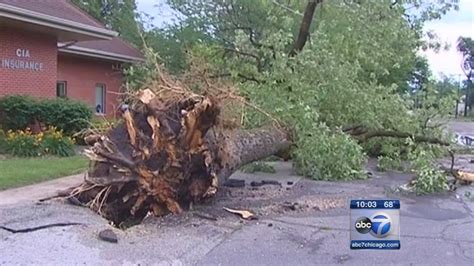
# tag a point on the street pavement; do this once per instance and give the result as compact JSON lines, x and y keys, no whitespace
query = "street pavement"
{"x":302,"y":222}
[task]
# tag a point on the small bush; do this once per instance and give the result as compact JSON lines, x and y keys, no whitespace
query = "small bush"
{"x":24,"y":143}
{"x":18,"y":112}
{"x":67,"y":115}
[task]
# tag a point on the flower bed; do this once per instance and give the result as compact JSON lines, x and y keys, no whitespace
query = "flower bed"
{"x":24,"y":143}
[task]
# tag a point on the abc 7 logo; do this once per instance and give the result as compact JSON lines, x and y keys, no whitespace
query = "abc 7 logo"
{"x":378,"y":225}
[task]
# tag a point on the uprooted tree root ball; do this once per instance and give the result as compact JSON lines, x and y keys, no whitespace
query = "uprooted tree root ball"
{"x":167,"y":154}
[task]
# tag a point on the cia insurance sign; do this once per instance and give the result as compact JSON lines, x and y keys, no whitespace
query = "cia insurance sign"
{"x":21,"y":61}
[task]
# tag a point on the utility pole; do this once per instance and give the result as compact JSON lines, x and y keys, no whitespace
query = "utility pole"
{"x":457,"y":96}
{"x":467,"y":66}
{"x":466,"y":95}
{"x":468,"y":90}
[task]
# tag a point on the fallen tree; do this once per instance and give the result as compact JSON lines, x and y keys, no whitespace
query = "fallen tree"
{"x":172,"y":150}
{"x":166,"y":155}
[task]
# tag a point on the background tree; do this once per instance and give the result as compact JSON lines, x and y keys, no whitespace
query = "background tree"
{"x":120,"y":16}
{"x":446,"y":86}
{"x":353,"y":69}
{"x":465,"y":46}
{"x":347,"y":91}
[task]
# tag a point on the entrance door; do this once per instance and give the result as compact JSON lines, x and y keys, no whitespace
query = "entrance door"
{"x":100,"y":99}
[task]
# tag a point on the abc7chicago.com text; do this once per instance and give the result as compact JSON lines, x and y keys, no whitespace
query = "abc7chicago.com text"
{"x":374,"y":244}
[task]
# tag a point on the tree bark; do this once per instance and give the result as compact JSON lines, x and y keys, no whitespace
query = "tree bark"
{"x":246,"y":146}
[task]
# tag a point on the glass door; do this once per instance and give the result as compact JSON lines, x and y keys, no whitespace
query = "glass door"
{"x":100,"y":99}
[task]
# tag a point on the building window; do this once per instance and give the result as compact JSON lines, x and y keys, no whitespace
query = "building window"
{"x":61,"y":89}
{"x":100,"y":98}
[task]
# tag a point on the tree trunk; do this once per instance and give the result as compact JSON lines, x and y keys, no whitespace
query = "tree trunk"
{"x":166,"y":155}
{"x":245,"y":146}
{"x":304,"y":27}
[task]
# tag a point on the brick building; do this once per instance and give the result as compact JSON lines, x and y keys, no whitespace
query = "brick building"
{"x":51,"y":48}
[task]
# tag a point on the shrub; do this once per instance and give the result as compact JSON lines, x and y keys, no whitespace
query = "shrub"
{"x":24,"y":143}
{"x":18,"y":112}
{"x":67,"y":115}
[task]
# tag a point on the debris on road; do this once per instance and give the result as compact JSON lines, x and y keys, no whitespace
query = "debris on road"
{"x":464,"y":176}
{"x":264,"y":182}
{"x":464,"y":140}
{"x":206,"y":216}
{"x":243,"y":213}
{"x":290,"y":205}
{"x":108,"y":235}
{"x":36,"y":228}
{"x":234,"y":183}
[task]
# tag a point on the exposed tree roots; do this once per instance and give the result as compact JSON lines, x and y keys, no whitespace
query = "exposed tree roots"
{"x":166,"y":155}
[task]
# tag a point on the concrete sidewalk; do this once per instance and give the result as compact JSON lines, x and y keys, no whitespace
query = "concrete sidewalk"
{"x":35,"y":192}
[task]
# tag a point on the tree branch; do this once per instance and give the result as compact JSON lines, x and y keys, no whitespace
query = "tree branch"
{"x":304,"y":27}
{"x":395,"y":134}
{"x":242,"y":53}
{"x":256,"y":57}
{"x":242,"y":76}
{"x":361,"y":133}
{"x":287,"y":8}
{"x":251,"y":33}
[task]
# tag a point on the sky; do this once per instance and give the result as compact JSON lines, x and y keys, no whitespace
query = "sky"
{"x":448,"y":29}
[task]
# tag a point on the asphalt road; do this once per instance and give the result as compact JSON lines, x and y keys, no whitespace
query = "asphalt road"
{"x":302,"y":223}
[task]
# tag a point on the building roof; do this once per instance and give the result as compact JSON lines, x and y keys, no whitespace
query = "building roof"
{"x":56,"y":8}
{"x":115,"y":49}
{"x":58,"y":17}
{"x":78,"y":33}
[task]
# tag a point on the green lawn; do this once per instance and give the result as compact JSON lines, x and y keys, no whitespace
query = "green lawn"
{"x":16,"y":172}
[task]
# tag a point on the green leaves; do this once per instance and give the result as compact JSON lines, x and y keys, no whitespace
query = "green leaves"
{"x":428,"y":179}
{"x":118,"y":15}
{"x":326,"y":155}
{"x":358,"y":67}
{"x":349,"y":74}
